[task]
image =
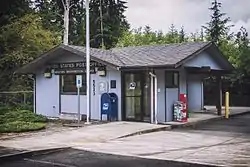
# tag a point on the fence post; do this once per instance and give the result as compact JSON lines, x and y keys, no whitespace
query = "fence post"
{"x":24,"y":98}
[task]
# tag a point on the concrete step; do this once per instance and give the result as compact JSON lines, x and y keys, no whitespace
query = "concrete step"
{"x":71,"y":116}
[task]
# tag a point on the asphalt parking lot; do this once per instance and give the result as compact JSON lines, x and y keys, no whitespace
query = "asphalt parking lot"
{"x":235,"y":125}
{"x":5,"y":151}
{"x":79,"y":158}
{"x":222,"y":142}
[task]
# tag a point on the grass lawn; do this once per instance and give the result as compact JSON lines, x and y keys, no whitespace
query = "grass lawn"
{"x":17,"y":120}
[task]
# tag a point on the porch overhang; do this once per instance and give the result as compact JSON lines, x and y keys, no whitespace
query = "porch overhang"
{"x":207,"y":70}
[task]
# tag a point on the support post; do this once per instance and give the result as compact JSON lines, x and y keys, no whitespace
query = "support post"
{"x":154,"y":98}
{"x":24,"y":98}
{"x":219,"y":95}
{"x":78,"y":106}
{"x":88,"y":61}
{"x":156,"y":101}
{"x":227,"y":105}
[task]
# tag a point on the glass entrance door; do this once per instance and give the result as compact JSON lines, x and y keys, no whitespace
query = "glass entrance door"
{"x":137,"y":96}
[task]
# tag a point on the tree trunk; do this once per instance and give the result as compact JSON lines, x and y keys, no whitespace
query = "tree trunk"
{"x":66,"y":27}
{"x":66,"y":5}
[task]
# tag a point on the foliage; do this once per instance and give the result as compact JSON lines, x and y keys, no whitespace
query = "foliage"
{"x":24,"y":106}
{"x":21,"y":42}
{"x":21,"y":115}
{"x":146,"y":36}
{"x":237,"y":51}
{"x":242,"y":41}
{"x":15,"y":120}
{"x":19,"y":126}
{"x":12,"y":9}
{"x":51,"y":13}
{"x":218,"y":27}
{"x":182,"y":35}
{"x":4,"y":109}
{"x":114,"y":20}
{"x":173,"y":34}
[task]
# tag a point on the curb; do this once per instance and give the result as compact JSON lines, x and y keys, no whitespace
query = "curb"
{"x":195,"y":124}
{"x":168,"y":127}
{"x":186,"y":125}
{"x":27,"y":154}
{"x":238,"y":114}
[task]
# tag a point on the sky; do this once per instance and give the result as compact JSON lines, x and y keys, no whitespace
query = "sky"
{"x":192,"y":14}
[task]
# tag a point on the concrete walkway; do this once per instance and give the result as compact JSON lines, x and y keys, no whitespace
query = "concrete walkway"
{"x":89,"y":134}
{"x":220,"y":143}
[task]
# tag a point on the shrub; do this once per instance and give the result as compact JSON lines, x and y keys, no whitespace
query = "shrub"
{"x":28,"y":116}
{"x":20,"y":126}
{"x":24,"y":107}
{"x":21,"y":115}
{"x":14,"y":120}
{"x":4,"y":109}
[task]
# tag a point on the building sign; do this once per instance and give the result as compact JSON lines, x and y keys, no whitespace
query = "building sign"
{"x":78,"y":81}
{"x":93,"y":87}
{"x":76,"y":71}
{"x":132,"y":86}
{"x":76,"y":67}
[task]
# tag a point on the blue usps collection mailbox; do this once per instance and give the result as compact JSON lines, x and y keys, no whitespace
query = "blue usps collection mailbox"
{"x":109,"y":106}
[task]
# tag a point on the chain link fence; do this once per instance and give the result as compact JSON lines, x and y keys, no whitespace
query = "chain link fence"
{"x":18,"y":99}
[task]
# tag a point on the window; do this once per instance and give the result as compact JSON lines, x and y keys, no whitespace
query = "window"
{"x":172,"y":79}
{"x":68,"y":84}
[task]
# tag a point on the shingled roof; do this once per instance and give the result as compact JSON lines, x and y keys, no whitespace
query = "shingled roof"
{"x":158,"y":55}
{"x":167,"y":55}
{"x":100,"y":55}
{"x":146,"y":56}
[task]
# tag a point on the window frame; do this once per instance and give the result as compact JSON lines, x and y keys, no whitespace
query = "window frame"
{"x":83,"y":89}
{"x":174,"y":75}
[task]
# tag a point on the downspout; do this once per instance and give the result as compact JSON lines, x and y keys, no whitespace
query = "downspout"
{"x":154,"y":92}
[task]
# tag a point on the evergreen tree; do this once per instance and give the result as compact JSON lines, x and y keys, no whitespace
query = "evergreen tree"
{"x":147,"y":30}
{"x":182,"y":35}
{"x":242,"y":41}
{"x":194,"y":37}
{"x":218,"y":27}
{"x":173,"y":34}
{"x":77,"y":23}
{"x":113,"y":20}
{"x":202,"y":34}
{"x":51,"y":13}
{"x":12,"y":9}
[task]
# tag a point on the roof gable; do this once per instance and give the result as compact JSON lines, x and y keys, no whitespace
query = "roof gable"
{"x":210,"y":56}
{"x":98,"y":55}
{"x":203,"y":60}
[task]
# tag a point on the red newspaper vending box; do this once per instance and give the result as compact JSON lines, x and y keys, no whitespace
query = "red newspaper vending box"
{"x":183,"y":99}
